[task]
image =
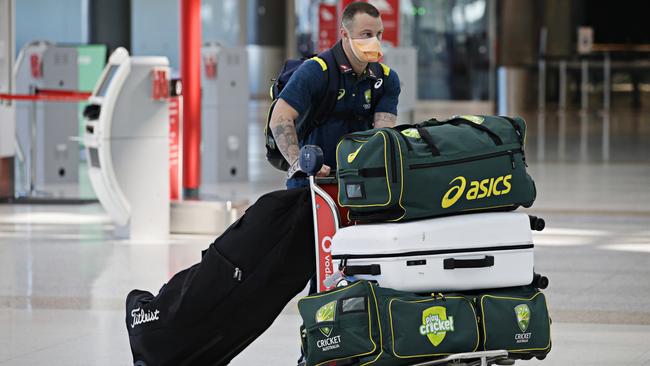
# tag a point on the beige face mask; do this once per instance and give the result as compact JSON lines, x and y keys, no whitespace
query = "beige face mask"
{"x":366,"y":49}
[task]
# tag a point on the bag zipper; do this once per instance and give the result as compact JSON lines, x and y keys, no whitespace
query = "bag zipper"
{"x":520,"y":135}
{"x":468,"y":159}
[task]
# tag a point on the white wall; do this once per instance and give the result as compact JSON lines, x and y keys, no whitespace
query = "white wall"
{"x":61,"y":21}
{"x":155,"y":29}
{"x":6,"y":77}
{"x":155,"y":26}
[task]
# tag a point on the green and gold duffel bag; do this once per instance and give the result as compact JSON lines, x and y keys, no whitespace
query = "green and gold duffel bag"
{"x":515,"y":320}
{"x":363,"y":324}
{"x":435,"y":168}
{"x":340,"y":325}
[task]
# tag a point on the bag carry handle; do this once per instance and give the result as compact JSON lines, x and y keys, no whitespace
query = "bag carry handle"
{"x":462,"y":121}
{"x":371,"y":269}
{"x":453,"y":263}
{"x":428,"y":139}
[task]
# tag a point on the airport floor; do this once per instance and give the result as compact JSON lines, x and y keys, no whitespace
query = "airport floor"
{"x":64,"y":276}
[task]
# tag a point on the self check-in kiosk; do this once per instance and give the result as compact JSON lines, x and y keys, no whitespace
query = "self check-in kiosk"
{"x":224,"y":104}
{"x":127,"y":143}
{"x":51,"y":84}
{"x":45,"y":130}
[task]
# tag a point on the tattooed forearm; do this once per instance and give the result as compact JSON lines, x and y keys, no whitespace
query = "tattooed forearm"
{"x":286,"y":138}
{"x":283,"y":128}
{"x":384,"y":120}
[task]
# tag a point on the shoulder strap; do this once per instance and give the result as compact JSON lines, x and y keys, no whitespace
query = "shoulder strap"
{"x":325,"y":108}
{"x":385,"y":69}
{"x":382,"y":71}
{"x":320,"y":61}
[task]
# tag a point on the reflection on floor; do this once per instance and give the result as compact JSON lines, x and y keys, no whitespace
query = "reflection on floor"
{"x":63,"y":276}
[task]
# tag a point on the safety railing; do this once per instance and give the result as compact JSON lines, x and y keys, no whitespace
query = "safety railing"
{"x":39,"y":95}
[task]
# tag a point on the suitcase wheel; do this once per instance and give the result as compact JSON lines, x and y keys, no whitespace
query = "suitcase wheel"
{"x":537,"y":223}
{"x":539,"y":281}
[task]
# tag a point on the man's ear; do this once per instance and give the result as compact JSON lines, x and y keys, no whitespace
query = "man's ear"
{"x":343,"y":33}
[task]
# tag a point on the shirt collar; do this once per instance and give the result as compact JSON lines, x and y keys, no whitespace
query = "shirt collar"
{"x":341,"y":58}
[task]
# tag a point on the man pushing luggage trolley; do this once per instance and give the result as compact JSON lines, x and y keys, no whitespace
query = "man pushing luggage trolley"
{"x":201,"y":316}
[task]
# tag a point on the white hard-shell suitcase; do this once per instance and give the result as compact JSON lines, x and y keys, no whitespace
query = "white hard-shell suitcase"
{"x":464,"y":252}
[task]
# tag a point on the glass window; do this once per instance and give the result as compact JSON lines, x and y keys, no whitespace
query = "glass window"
{"x":220,"y":21}
{"x":451,"y":36}
{"x":453,"y":47}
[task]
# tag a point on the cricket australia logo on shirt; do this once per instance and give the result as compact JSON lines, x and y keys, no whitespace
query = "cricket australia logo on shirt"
{"x":436,"y":324}
{"x":327,"y":313}
{"x":522,"y":311}
{"x":368,"y":96}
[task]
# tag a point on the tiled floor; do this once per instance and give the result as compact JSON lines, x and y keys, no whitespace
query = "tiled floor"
{"x":63,"y":276}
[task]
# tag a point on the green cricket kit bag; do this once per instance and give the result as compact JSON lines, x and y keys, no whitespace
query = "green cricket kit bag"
{"x":366,"y":324}
{"x":515,"y":320}
{"x":460,"y":165}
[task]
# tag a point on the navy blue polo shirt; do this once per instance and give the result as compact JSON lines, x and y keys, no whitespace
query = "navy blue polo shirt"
{"x":308,"y":86}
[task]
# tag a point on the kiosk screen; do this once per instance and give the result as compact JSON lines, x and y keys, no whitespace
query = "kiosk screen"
{"x":107,"y":80}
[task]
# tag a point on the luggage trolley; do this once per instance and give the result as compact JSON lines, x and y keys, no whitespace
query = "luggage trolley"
{"x":329,"y":217}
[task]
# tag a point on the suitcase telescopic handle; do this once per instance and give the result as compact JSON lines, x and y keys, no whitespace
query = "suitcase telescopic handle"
{"x":453,"y":263}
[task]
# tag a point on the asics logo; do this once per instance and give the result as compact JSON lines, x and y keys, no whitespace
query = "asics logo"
{"x":477,"y":189}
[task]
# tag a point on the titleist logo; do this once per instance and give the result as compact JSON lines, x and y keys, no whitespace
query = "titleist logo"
{"x":140,"y":316}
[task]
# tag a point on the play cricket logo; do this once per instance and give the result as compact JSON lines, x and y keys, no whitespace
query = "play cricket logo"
{"x":522,"y":311}
{"x":327,"y":313}
{"x":436,"y":324}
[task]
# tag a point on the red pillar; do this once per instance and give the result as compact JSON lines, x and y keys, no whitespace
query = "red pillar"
{"x":191,"y":75}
